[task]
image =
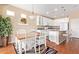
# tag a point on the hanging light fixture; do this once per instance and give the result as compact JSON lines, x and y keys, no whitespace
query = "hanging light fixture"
{"x":32,"y":17}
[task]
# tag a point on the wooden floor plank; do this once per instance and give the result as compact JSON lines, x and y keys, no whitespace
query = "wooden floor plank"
{"x":71,"y":47}
{"x":7,"y":50}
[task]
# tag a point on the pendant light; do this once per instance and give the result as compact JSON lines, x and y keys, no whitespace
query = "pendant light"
{"x":32,"y":17}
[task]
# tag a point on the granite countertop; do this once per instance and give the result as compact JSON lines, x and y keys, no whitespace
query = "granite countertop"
{"x":24,"y":36}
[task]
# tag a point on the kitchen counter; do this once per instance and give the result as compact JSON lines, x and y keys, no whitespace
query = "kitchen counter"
{"x":56,"y":36}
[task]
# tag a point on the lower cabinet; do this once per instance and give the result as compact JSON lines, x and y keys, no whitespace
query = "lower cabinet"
{"x":55,"y":36}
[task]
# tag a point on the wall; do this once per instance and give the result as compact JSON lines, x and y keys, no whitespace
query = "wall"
{"x":16,"y":19}
{"x":2,"y":8}
{"x":74,"y":23}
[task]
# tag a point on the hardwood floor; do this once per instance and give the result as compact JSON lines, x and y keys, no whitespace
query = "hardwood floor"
{"x":71,"y":47}
{"x":7,"y":50}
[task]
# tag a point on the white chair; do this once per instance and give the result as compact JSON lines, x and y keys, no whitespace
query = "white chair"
{"x":38,"y":39}
{"x":20,"y":44}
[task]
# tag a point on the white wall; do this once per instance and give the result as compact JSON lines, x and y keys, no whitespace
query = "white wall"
{"x":74,"y":27}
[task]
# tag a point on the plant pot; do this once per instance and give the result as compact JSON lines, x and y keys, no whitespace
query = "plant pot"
{"x":1,"y":42}
{"x":4,"y":39}
{"x":8,"y":40}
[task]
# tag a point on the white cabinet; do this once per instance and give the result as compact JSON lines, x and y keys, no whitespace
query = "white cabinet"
{"x":39,"y":20}
{"x":62,"y":23}
{"x":64,"y":26}
{"x":44,"y":21}
{"x":50,"y":22}
{"x":47,"y":21}
{"x":54,"y":36}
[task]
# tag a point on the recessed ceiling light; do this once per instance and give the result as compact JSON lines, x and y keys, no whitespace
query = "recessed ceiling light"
{"x":55,"y":9}
{"x":47,"y":12}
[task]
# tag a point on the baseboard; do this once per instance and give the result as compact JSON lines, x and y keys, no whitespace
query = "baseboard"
{"x":74,"y":37}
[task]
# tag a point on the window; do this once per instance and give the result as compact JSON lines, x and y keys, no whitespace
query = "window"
{"x":23,"y":16}
{"x":10,"y":13}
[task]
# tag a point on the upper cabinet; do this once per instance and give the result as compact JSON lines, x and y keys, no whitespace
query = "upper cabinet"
{"x":62,"y":23}
{"x":44,"y":21}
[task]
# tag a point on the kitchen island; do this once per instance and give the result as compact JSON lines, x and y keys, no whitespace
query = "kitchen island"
{"x":57,"y":36}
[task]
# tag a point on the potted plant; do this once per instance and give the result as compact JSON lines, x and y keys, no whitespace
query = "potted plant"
{"x":5,"y":29}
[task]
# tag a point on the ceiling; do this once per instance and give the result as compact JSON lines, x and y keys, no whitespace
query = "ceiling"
{"x":50,"y":10}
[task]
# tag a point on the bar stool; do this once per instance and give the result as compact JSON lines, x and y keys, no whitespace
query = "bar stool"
{"x":21,"y":41}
